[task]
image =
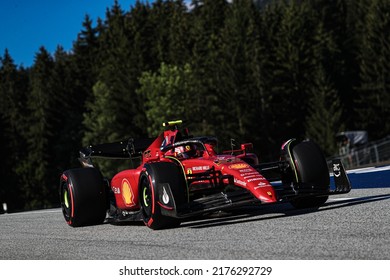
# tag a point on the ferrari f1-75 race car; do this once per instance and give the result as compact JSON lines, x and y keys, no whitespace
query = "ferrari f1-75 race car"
{"x":181,"y":176}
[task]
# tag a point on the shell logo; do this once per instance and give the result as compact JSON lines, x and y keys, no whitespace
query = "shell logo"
{"x":238,"y":166}
{"x":127,"y":193}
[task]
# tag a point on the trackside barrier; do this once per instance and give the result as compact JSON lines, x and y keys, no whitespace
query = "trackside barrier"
{"x":376,"y":153}
{"x":368,"y":177}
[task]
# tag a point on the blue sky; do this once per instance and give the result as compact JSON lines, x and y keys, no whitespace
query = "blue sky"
{"x":26,"y":25}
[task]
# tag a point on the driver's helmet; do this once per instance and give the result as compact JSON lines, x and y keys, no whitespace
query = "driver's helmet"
{"x":186,"y":151}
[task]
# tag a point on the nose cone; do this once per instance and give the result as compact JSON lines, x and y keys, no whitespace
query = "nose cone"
{"x":265,"y":194}
{"x":249,"y":178}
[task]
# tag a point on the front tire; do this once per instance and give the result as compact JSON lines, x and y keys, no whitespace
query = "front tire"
{"x":83,"y":197}
{"x":310,"y":169}
{"x":154,"y":174}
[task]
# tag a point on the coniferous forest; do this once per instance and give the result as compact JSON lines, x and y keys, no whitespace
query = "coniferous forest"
{"x":242,"y":69}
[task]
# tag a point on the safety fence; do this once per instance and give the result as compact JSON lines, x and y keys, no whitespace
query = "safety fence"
{"x":372,"y":154}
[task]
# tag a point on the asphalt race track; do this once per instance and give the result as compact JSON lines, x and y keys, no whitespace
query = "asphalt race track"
{"x":350,"y":226}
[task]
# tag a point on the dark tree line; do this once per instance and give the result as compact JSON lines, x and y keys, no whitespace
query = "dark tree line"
{"x":244,"y":70}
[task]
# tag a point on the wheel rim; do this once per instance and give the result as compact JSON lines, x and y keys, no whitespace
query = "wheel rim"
{"x":66,"y":201}
{"x":146,"y":199}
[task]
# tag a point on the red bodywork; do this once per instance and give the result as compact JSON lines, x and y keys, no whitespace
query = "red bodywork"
{"x":179,"y":176}
{"x":125,"y":184}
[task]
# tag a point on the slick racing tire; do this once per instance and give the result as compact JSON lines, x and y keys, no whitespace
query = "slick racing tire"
{"x":151,"y":208}
{"x":311,"y":169}
{"x":83,"y":197}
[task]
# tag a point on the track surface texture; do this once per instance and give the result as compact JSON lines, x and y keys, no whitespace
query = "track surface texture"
{"x":350,"y":226}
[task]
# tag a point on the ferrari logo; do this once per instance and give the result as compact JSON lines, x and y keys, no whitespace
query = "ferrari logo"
{"x":189,"y":171}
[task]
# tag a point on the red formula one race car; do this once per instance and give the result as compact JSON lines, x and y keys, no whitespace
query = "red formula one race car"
{"x":181,"y":176}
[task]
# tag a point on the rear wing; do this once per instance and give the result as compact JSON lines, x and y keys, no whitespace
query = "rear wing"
{"x":126,"y":149}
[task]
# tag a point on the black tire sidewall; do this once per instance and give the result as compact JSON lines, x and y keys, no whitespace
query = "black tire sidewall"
{"x":88,"y":197}
{"x":312,"y":169}
{"x":311,"y":164}
{"x":153,"y":174}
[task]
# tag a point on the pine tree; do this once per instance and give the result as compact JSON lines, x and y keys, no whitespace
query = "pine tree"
{"x":238,"y":49}
{"x":179,"y":39}
{"x":142,"y":55}
{"x":288,"y":67}
{"x":101,"y":121}
{"x":373,"y":99}
{"x":13,"y":89}
{"x":119,"y":76}
{"x":168,"y":96}
{"x":101,"y":117}
{"x":324,"y":113}
{"x":170,"y":31}
{"x":36,"y":170}
{"x":69,"y":108}
{"x":207,"y":22}
{"x":343,"y":19}
{"x":263,"y":63}
{"x":86,"y":60}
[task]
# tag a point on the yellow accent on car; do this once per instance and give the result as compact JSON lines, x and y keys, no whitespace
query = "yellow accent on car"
{"x":171,"y":123}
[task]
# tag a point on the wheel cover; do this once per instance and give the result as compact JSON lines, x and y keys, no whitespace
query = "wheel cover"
{"x":66,"y":202}
{"x":146,"y":199}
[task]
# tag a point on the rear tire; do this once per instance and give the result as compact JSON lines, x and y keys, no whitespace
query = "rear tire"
{"x":83,"y":197}
{"x":156,"y":173}
{"x":311,"y":169}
